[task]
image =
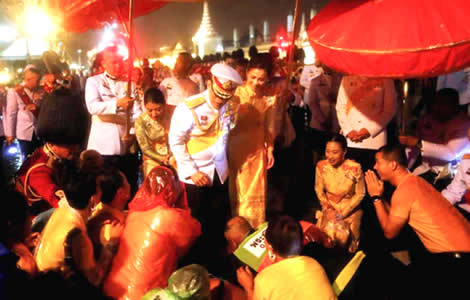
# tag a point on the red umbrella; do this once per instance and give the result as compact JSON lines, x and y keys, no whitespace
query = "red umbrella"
{"x":83,"y":15}
{"x":393,"y":38}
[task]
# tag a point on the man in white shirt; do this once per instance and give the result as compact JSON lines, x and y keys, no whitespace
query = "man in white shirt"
{"x":365,"y":106}
{"x":179,"y":86}
{"x":22,"y":110}
{"x":441,"y":139}
{"x":106,"y":100}
{"x":458,"y":80}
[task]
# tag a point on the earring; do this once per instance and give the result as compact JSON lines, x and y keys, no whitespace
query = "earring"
{"x":272,"y":256}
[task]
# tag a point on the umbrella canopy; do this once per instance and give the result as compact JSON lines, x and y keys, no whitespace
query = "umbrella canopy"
{"x":83,"y":15}
{"x":393,"y":38}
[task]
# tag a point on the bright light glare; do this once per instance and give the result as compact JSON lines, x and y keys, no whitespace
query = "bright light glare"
{"x":37,"y":23}
{"x":122,"y":51}
{"x":12,"y":149}
{"x":168,"y":61}
{"x":4,"y":78}
{"x":309,"y":55}
{"x":7,"y":33}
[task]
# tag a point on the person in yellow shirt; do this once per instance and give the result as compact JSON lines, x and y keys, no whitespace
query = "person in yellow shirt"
{"x":65,"y":244}
{"x":291,"y":276}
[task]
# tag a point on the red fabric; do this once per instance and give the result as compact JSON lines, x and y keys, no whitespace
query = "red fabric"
{"x":417,"y":39}
{"x":153,"y":239}
{"x":150,"y":246}
{"x":25,"y":98}
{"x":160,"y":188}
{"x":40,"y":179}
{"x":83,"y":15}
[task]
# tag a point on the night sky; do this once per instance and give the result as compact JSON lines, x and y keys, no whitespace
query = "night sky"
{"x":178,"y":22}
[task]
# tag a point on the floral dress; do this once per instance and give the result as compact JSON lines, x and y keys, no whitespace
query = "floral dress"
{"x":152,"y":137}
{"x":342,"y":189}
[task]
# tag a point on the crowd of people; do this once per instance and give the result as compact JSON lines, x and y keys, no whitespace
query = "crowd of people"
{"x":232,"y":179}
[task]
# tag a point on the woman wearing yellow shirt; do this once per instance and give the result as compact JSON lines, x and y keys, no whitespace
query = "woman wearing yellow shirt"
{"x":291,"y":276}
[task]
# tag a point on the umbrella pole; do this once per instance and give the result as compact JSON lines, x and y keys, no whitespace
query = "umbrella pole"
{"x":130,"y":61}
{"x":291,"y":54}
{"x":404,"y":111}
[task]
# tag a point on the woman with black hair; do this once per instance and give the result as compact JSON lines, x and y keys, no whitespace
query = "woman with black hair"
{"x":339,"y":185}
{"x":152,"y":131}
{"x":250,"y":148}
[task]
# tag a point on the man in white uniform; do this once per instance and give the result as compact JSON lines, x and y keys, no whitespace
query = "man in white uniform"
{"x":179,"y":86}
{"x":441,"y":139}
{"x":198,"y":139}
{"x":365,"y":106}
{"x":107,"y":103}
{"x":22,"y":110}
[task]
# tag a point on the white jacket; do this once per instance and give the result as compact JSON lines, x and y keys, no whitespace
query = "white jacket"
{"x":19,"y":122}
{"x":101,"y":95}
{"x":212,"y":156}
{"x":373,"y":107}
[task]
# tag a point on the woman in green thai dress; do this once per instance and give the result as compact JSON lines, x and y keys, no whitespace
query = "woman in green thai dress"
{"x":152,"y":131}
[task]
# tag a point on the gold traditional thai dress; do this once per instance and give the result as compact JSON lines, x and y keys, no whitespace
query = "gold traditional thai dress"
{"x":247,"y":146}
{"x":152,"y":137}
{"x":343,"y":189}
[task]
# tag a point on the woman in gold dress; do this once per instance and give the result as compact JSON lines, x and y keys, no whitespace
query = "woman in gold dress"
{"x":151,"y":130}
{"x":339,"y":185}
{"x":250,"y":149}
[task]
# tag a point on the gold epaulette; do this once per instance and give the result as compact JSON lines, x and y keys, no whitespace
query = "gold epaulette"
{"x":466,"y":156}
{"x":194,"y":102}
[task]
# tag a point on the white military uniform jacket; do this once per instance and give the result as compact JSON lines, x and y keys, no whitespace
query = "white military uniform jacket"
{"x":101,"y":95}
{"x":176,"y":90}
{"x":454,"y":143}
{"x":198,"y":137}
{"x":366,"y":103}
{"x":19,"y":122}
{"x":460,"y":81}
{"x":455,"y":191}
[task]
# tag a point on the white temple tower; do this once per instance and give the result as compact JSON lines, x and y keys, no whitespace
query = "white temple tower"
{"x":206,"y":40}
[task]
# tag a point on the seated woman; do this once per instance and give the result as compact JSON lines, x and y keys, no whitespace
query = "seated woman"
{"x":339,"y":185}
{"x":159,"y":230}
{"x":291,"y":276}
{"x":151,"y":130}
{"x":113,"y":193}
{"x":65,"y":245}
